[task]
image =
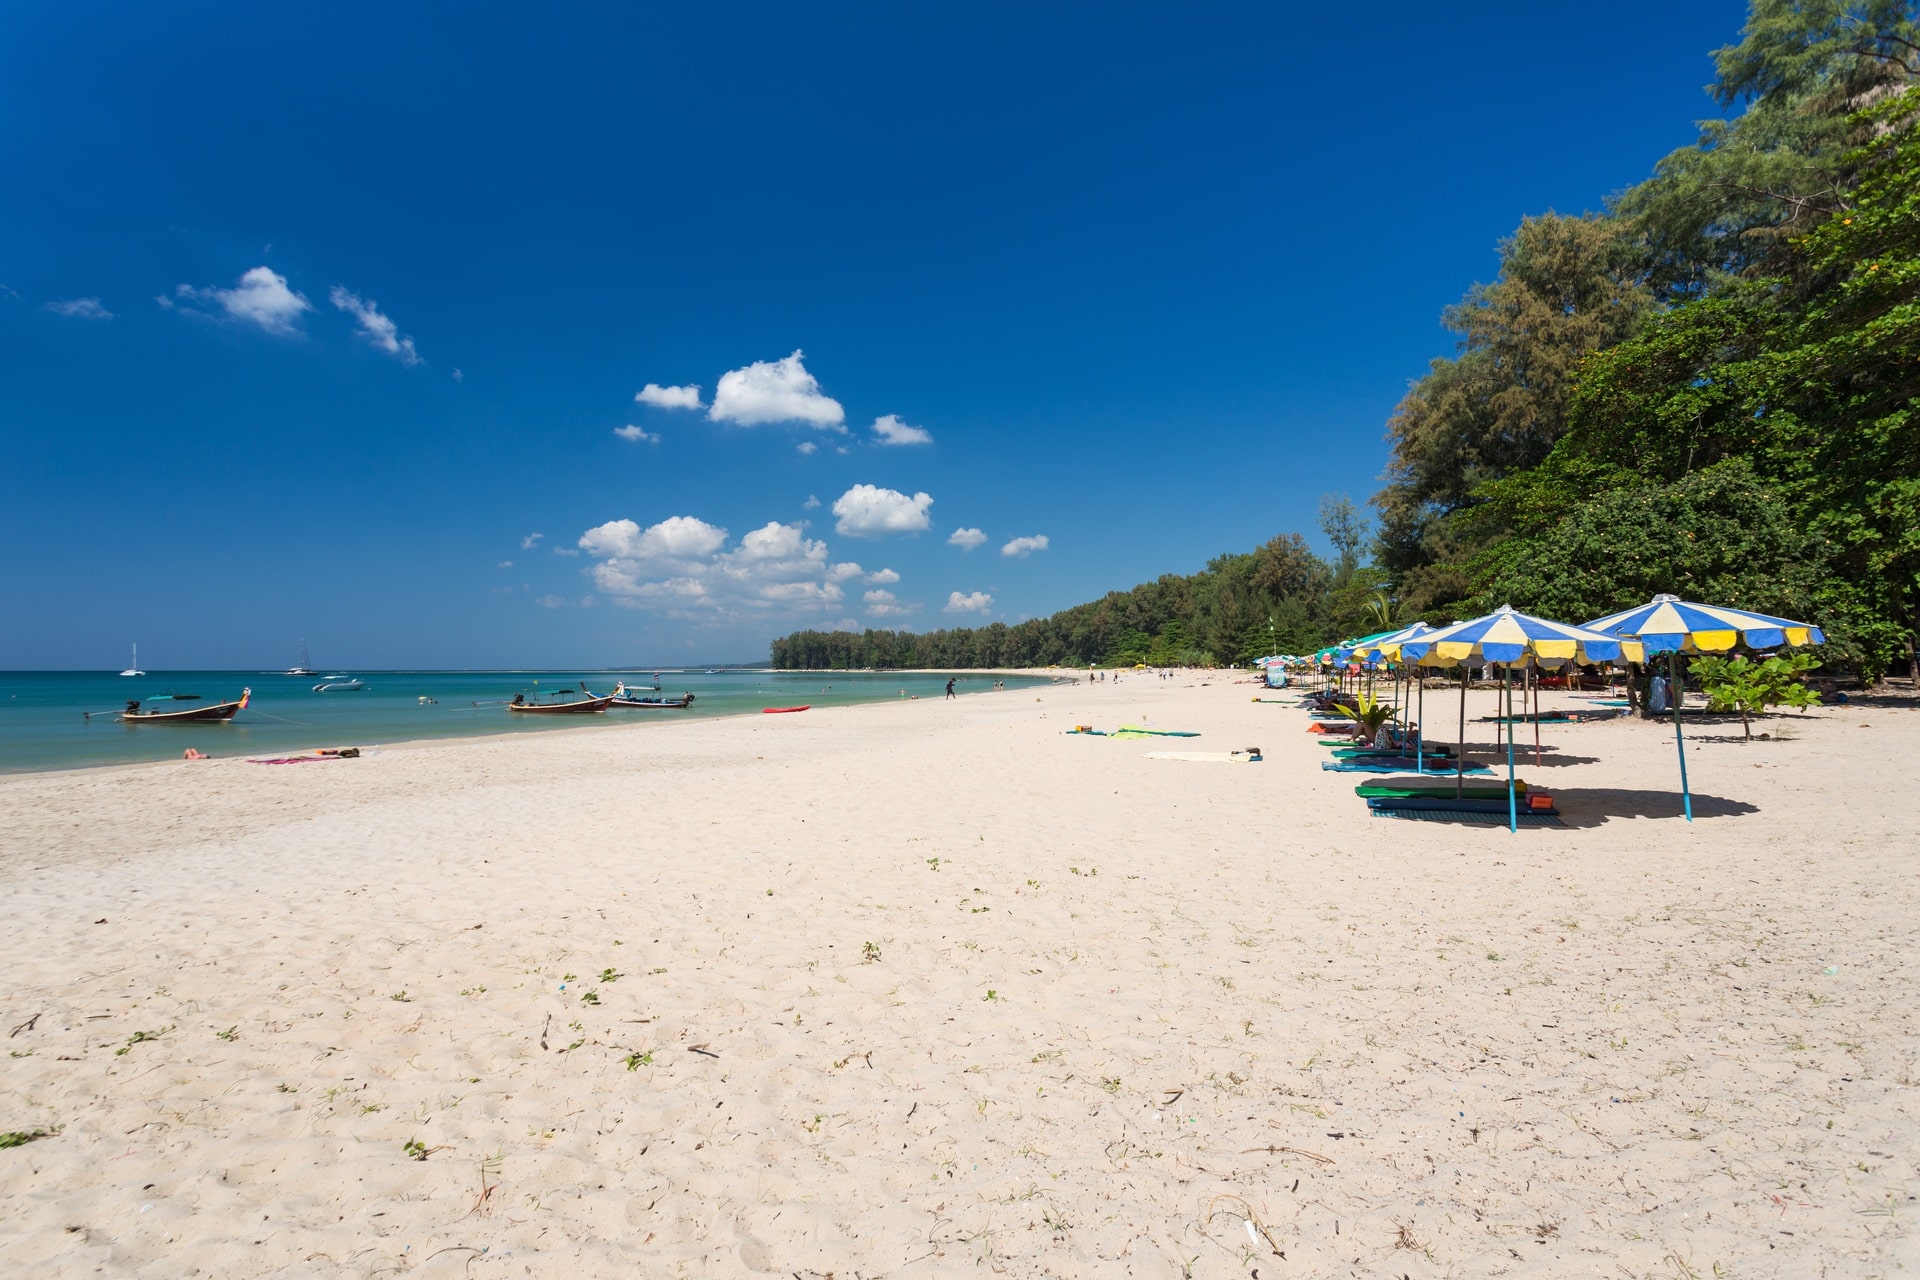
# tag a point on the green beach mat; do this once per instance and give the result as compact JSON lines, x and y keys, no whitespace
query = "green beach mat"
{"x":1389,"y":791}
{"x":1139,"y":731}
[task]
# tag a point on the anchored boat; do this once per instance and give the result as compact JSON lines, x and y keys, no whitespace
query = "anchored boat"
{"x":212,"y":713}
{"x":567,"y":703}
{"x":635,"y":700}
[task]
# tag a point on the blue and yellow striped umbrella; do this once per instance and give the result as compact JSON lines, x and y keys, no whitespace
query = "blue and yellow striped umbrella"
{"x":1388,"y":646}
{"x":1669,"y":624}
{"x":1513,"y":639}
{"x":1510,"y":638}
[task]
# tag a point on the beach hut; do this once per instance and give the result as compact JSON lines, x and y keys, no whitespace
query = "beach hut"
{"x":1506,"y":638}
{"x":1667,"y":624}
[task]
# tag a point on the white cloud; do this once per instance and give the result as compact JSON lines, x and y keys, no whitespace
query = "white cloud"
{"x":805,"y":447}
{"x":1024,"y":547}
{"x":966,"y":539}
{"x":459,"y":376}
{"x":80,"y":309}
{"x":375,"y":327}
{"x":884,"y":604}
{"x":847,"y":624}
{"x":551,"y":601}
{"x":972,"y":602}
{"x":631,"y":432}
{"x":262,"y":297}
{"x":811,"y":504}
{"x":531,"y":541}
{"x":867,"y":511}
{"x":677,"y":538}
{"x":885,"y":578}
{"x":774,"y":391}
{"x":506,"y":564}
{"x":566,"y":551}
{"x":669,"y":397}
{"x":688,"y":568}
{"x":890,"y":430}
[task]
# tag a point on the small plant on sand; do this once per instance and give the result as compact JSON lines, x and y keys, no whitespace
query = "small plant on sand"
{"x":1368,"y":714}
{"x":635,"y":1061}
{"x":991,"y":994}
{"x":139,"y":1037}
{"x":869,"y":952}
{"x":934,"y":863}
{"x":609,"y":975}
{"x":415,"y":1149}
{"x":1749,"y":687}
{"x":591,"y":997}
{"x":21,"y":1137}
{"x":231,"y":1033}
{"x":402,"y":997}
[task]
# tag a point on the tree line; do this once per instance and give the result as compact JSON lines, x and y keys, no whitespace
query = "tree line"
{"x":1707,"y":388}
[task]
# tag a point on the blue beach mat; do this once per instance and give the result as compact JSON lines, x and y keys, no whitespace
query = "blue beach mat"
{"x":1468,"y":819}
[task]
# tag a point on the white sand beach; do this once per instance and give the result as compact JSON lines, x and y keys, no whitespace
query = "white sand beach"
{"x":932,"y":989}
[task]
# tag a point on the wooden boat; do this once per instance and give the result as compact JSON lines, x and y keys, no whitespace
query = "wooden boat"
{"x":778,"y":711}
{"x":632,"y":699}
{"x":583,"y":704}
{"x":213,"y":713}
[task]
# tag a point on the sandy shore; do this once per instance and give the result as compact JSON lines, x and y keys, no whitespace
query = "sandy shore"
{"x":912,"y":990}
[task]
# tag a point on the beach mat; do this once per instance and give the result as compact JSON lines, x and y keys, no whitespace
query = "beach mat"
{"x":1208,"y":757}
{"x":1141,"y":731}
{"x":1447,"y":804}
{"x":1389,"y":790}
{"x":1394,"y":764}
{"x":1468,"y":819}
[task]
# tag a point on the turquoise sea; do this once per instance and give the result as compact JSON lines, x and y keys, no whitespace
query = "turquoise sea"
{"x":44,"y":725}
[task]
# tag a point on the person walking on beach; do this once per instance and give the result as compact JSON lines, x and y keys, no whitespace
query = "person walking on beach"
{"x":950,"y":692}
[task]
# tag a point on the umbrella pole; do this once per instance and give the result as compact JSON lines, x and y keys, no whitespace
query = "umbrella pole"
{"x":1513,"y":803}
{"x":1460,"y":764}
{"x":1420,"y":727}
{"x":1535,"y":690}
{"x":1679,"y":741}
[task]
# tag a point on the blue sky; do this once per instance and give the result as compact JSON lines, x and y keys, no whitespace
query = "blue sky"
{"x":311,"y":319}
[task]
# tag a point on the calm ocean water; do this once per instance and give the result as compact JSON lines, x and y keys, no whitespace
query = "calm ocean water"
{"x":43,"y":725}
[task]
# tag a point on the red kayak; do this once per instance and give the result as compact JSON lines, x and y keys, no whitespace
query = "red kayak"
{"x":776,"y":711}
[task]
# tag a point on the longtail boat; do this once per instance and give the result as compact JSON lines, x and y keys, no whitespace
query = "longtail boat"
{"x":583,"y":704}
{"x":632,"y":700}
{"x":213,"y":713}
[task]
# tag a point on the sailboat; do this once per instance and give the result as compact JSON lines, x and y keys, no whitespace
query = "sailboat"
{"x":133,"y":668}
{"x":302,"y":667}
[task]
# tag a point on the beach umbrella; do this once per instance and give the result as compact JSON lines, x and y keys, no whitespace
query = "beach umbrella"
{"x":1387,"y":648}
{"x":1508,"y":638}
{"x":1667,"y":624}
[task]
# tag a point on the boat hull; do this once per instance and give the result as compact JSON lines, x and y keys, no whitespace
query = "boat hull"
{"x":219,"y":713}
{"x":586,"y":706}
{"x":658,"y":704}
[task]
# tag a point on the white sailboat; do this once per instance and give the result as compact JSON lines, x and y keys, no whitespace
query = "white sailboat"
{"x":304,"y":666}
{"x":134,"y":668}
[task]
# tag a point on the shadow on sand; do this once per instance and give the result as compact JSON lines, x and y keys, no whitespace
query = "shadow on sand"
{"x":1593,"y":808}
{"x":1495,"y":754}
